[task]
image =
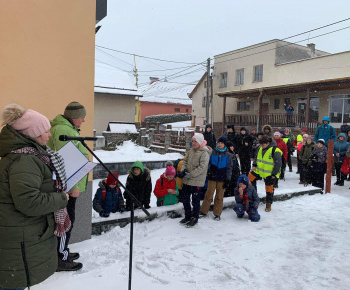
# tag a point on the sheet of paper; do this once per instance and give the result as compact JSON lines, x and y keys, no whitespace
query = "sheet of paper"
{"x":75,"y":178}
{"x":76,"y":164}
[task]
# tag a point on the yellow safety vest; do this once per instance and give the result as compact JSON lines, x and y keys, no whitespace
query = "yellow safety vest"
{"x":265,"y":164}
{"x":285,"y":140}
{"x":299,"y":139}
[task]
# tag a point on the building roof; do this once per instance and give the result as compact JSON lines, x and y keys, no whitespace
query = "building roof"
{"x":197,"y":85}
{"x":167,"y":92}
{"x":108,"y":80}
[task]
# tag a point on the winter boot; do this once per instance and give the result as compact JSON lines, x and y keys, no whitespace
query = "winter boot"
{"x":73,"y":256}
{"x":184,"y":221}
{"x":268,"y":207}
{"x":341,"y":183}
{"x":216,"y":218}
{"x":290,"y":170}
{"x":68,"y":265}
{"x":192,"y":223}
{"x":337,"y":182}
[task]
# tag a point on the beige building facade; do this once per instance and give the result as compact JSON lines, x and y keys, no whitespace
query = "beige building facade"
{"x":274,"y":73}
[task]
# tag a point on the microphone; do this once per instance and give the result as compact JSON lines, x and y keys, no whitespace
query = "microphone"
{"x":73,"y":138}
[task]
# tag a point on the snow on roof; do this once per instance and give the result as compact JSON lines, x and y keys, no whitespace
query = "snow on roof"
{"x":122,"y":128}
{"x":177,"y":126}
{"x":167,"y":92}
{"x":111,"y":81}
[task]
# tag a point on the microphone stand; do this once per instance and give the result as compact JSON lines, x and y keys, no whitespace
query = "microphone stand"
{"x":133,"y":200}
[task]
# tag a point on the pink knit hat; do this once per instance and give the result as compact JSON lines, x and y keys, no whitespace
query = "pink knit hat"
{"x":32,"y":124}
{"x":170,"y":171}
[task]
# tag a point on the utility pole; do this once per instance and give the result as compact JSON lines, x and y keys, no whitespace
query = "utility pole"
{"x":137,"y":102}
{"x":211,"y":102}
{"x":208,"y":94}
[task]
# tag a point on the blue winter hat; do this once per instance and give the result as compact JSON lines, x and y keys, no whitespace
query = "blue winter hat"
{"x":243,"y":179}
{"x":342,"y":135}
{"x":326,"y":119}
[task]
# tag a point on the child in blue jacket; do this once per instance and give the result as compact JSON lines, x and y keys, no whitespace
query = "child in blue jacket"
{"x":247,"y":199}
{"x":108,"y":197}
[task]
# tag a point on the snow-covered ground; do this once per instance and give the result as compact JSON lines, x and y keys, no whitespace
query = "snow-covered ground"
{"x":130,"y":152}
{"x":303,"y":243}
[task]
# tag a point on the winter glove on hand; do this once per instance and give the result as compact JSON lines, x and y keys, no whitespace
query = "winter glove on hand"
{"x":251,"y":210}
{"x":181,"y":174}
{"x":104,"y":214}
{"x":187,"y":175}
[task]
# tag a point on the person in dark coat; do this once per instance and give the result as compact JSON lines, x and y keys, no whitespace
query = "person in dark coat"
{"x":209,"y":136}
{"x":344,"y":128}
{"x":247,"y":199}
{"x":304,"y":155}
{"x":244,"y":147}
{"x":140,"y":184}
{"x":253,"y":133}
{"x":318,"y":164}
{"x":235,"y":172}
{"x":232,"y":136}
{"x":339,"y":150}
{"x":256,"y":145}
{"x":108,"y":197}
{"x":32,"y":204}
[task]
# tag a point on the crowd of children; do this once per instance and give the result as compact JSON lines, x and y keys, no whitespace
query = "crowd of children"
{"x":228,"y":166}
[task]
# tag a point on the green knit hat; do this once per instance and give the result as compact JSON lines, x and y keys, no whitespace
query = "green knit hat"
{"x":74,"y":110}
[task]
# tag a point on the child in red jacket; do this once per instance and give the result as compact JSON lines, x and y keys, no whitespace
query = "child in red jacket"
{"x":166,"y":189}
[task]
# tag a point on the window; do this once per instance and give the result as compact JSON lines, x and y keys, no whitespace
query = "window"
{"x":243,"y":106}
{"x":240,"y":76}
{"x":287,"y":101}
{"x":223,"y":78}
{"x":186,"y":110}
{"x":277,"y":104}
{"x":177,"y":109}
{"x":205,"y":84}
{"x":258,"y":73}
{"x":340,"y":109}
{"x":204,"y":102}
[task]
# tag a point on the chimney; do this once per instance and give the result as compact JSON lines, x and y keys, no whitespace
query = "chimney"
{"x":312,"y":49}
{"x":152,"y":80}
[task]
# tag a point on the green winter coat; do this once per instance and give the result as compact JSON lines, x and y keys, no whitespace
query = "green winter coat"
{"x":61,"y":126}
{"x":28,"y":247}
{"x":305,"y":152}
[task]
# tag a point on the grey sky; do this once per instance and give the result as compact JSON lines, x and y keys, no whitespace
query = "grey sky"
{"x":192,"y":30}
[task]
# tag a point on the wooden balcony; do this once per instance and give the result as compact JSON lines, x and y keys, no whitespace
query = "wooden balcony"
{"x":274,"y":120}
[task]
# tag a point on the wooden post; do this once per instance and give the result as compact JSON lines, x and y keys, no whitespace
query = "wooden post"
{"x":307,"y":113}
{"x":258,"y":125}
{"x":329,"y":166}
{"x":223,"y":116}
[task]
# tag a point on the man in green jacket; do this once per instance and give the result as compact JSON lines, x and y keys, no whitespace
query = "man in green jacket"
{"x":69,"y":124}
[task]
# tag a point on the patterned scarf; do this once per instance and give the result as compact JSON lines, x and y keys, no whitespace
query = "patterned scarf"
{"x":56,"y":163}
{"x":245,"y":200}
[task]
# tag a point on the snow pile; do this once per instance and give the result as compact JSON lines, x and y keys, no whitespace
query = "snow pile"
{"x":177,"y":126}
{"x":303,"y":243}
{"x":130,"y":152}
{"x":122,"y":128}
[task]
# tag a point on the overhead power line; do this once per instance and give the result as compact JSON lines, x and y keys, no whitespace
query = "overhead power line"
{"x":295,"y":35}
{"x":282,"y":45}
{"x":123,"y":52}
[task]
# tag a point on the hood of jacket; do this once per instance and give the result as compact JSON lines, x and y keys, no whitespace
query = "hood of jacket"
{"x":145,"y":172}
{"x":60,"y":120}
{"x":11,"y":140}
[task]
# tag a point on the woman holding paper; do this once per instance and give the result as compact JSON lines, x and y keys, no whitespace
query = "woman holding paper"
{"x":32,"y":199}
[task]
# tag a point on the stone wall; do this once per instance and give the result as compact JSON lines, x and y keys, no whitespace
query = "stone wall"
{"x":114,"y":139}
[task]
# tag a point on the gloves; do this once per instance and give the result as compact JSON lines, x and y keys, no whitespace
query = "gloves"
{"x":187,"y":175}
{"x":181,"y":174}
{"x":104,"y":214}
{"x":251,"y":210}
